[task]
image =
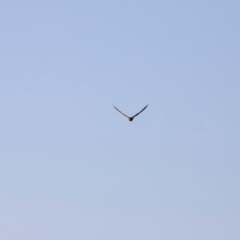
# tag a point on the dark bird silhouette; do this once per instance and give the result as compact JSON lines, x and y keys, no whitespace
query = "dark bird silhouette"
{"x":130,"y":118}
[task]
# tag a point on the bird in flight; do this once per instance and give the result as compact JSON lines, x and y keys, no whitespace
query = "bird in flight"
{"x":130,"y":118}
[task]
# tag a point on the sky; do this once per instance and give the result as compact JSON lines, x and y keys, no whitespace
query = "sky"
{"x":72,"y":167}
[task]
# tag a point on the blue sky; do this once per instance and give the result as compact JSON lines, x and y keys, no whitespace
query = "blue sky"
{"x":72,"y":167}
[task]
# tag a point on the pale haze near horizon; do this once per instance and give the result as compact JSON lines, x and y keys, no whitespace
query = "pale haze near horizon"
{"x":72,"y":167}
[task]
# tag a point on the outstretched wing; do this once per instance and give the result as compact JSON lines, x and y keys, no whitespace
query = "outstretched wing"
{"x":121,"y":112}
{"x":140,"y":111}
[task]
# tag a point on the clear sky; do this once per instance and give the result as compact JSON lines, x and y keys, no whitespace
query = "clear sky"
{"x":72,"y":167}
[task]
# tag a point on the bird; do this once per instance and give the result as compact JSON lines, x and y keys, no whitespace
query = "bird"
{"x":130,"y":118}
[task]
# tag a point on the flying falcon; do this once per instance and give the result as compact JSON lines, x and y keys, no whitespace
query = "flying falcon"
{"x":130,"y":118}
